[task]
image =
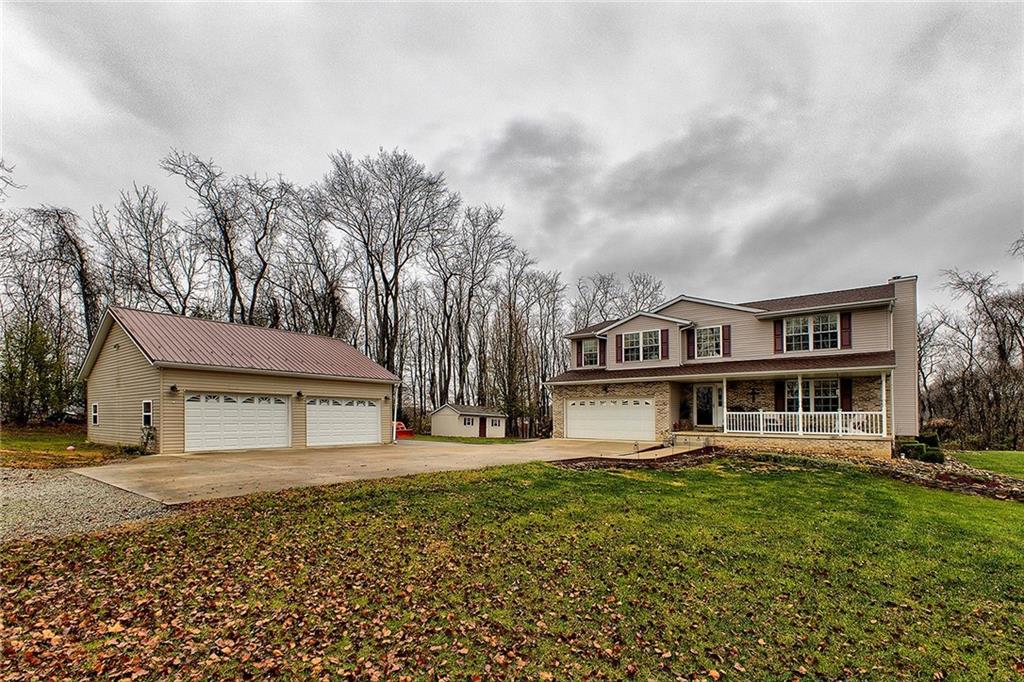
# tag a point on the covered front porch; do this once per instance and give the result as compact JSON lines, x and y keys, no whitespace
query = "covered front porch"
{"x":794,"y":405}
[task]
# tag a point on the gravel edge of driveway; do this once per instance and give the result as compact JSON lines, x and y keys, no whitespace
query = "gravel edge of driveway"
{"x":36,"y":503}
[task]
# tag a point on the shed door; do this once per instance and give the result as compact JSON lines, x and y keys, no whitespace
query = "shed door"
{"x":342,"y":421}
{"x":610,"y":419}
{"x":230,"y":421}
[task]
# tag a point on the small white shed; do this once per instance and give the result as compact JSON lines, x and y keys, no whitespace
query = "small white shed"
{"x":467,"y":421}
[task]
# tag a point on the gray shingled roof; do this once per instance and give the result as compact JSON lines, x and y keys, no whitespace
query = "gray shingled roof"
{"x":473,"y":410}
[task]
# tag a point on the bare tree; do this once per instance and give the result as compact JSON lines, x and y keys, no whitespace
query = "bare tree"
{"x":149,"y":258}
{"x":388,"y":205}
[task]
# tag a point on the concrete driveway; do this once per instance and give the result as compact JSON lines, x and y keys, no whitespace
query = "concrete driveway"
{"x":175,"y":479}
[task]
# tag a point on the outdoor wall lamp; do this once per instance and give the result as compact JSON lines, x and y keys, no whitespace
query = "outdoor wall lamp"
{"x":298,"y":394}
{"x":173,"y":388}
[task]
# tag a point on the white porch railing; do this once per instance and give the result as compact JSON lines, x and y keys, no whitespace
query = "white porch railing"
{"x":810,"y":423}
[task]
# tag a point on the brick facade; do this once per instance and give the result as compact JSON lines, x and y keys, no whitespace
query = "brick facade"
{"x":743,"y":394}
{"x":660,"y":391}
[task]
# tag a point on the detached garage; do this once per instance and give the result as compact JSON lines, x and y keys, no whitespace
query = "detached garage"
{"x":201,"y":385}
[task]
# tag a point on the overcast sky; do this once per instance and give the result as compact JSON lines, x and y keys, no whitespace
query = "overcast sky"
{"x":737,"y":151}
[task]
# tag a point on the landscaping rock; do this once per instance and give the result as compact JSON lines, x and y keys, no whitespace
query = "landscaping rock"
{"x":47,"y":502}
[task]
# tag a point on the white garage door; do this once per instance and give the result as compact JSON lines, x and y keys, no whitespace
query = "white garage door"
{"x":232,"y":421}
{"x":342,"y":421}
{"x":610,"y":419}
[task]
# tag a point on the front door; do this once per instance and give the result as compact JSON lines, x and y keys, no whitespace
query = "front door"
{"x":708,"y":401}
{"x":483,"y":427}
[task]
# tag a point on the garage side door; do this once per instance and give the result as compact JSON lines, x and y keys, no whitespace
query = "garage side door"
{"x":231,"y":421}
{"x":342,"y":421}
{"x":610,"y":419}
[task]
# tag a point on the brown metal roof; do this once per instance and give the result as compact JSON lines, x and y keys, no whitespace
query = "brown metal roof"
{"x":828,"y":298}
{"x":189,"y":341}
{"x":808,"y":363}
{"x":591,"y":329}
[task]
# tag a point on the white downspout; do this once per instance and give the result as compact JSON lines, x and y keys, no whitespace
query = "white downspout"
{"x":885,"y":431}
{"x":800,"y":404}
{"x":394,"y":413}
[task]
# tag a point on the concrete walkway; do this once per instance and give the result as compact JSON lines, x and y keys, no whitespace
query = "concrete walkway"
{"x":175,"y":479}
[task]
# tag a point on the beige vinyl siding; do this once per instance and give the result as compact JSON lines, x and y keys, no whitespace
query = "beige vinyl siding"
{"x":642,"y":324}
{"x":904,"y":341}
{"x":754,"y":339}
{"x":448,"y":422}
{"x":119,"y":381}
{"x":214,"y":381}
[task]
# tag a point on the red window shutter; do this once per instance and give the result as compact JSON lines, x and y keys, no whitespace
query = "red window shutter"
{"x":618,"y":348}
{"x":778,"y":336}
{"x":664,"y":344}
{"x":780,"y":395}
{"x":845,"y":330}
{"x":691,"y":344}
{"x":846,"y":394}
{"x":579,"y":353}
{"x":602,"y":351}
{"x":726,"y":340}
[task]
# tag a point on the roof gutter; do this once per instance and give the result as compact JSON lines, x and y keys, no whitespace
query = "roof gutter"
{"x":276,"y":373}
{"x":723,"y":375}
{"x":858,"y":305}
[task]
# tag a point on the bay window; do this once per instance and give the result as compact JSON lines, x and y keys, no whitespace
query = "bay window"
{"x":708,"y":342}
{"x":589,"y":352}
{"x":817,"y":332}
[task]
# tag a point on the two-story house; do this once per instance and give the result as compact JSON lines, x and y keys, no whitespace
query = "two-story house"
{"x":835,"y":370}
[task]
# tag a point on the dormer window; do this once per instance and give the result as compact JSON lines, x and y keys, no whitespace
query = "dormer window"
{"x":589,"y":347}
{"x":817,"y":332}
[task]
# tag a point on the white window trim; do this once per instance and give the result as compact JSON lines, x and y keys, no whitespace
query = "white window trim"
{"x":809,"y":317}
{"x":640,"y":341}
{"x":95,"y":414}
{"x":469,"y":421}
{"x":596,"y":353}
{"x":145,"y":412}
{"x":696,"y":345}
{"x":810,"y":394}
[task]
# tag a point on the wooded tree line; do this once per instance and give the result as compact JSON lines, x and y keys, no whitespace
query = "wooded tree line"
{"x":381,"y":252}
{"x":972,"y":362}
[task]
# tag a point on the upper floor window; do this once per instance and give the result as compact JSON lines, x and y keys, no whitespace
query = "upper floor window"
{"x":817,"y":332}
{"x":589,"y":352}
{"x":641,"y":345}
{"x":631,"y":347}
{"x":652,"y":345}
{"x":708,"y":341}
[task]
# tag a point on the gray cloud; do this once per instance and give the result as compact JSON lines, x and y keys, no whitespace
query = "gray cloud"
{"x":737,"y":151}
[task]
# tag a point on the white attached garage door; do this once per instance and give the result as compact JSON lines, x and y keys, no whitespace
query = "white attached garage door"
{"x":231,"y":421}
{"x":610,"y":419}
{"x":342,"y":421}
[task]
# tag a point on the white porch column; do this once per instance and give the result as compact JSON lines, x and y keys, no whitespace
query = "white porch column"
{"x":885,"y":425}
{"x":800,"y":404}
{"x":725,"y":407}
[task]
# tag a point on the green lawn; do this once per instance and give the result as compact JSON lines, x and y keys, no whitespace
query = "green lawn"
{"x":46,"y":448}
{"x":465,"y":439}
{"x":760,"y":571}
{"x":1010,"y":462}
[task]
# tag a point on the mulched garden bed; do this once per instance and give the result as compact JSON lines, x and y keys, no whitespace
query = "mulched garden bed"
{"x":953,"y":475}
